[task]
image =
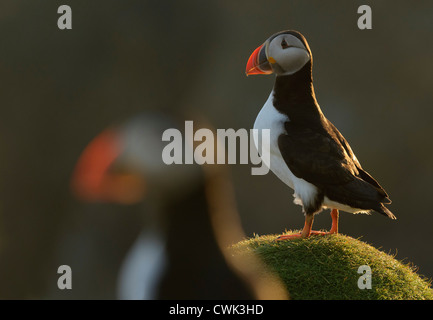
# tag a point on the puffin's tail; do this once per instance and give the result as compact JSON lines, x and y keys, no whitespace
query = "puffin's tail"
{"x":385,"y":211}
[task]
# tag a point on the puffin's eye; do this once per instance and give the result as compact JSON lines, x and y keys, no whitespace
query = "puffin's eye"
{"x":284,"y":44}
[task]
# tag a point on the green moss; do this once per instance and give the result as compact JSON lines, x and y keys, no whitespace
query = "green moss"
{"x":326,"y":267}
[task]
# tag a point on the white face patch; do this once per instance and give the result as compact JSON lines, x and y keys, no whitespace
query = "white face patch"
{"x":288,"y":52}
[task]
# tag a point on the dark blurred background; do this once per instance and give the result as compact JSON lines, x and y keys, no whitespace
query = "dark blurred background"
{"x":60,"y":88}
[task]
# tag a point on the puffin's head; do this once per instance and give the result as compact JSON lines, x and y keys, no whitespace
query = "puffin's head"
{"x":283,"y":53}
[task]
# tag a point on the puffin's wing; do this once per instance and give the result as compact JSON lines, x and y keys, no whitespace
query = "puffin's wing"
{"x":364,"y":175}
{"x":321,"y":159}
{"x":315,"y":157}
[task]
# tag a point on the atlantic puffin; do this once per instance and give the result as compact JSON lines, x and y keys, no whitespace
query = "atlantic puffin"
{"x":188,"y":218}
{"x":307,"y":152}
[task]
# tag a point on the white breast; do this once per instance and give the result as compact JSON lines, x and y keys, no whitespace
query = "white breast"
{"x":270,"y":118}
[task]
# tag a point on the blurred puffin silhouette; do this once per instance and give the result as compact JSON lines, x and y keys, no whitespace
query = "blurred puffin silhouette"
{"x":181,"y":252}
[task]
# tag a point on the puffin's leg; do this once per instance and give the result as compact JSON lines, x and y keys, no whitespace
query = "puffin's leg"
{"x":334,"y":226}
{"x":306,"y":231}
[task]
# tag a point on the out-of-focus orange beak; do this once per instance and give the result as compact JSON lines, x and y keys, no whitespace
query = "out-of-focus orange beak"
{"x":92,"y":180}
{"x":258,"y":63}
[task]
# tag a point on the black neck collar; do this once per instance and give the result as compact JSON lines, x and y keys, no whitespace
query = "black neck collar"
{"x":294,"y":95}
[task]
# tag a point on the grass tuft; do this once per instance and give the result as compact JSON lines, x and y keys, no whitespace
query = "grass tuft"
{"x":326,"y":268}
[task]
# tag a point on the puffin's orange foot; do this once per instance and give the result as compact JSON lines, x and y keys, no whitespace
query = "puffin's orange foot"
{"x":299,"y":235}
{"x":319,"y":233}
{"x":289,"y":236}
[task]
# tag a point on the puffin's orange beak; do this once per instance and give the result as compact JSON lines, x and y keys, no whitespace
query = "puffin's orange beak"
{"x":92,"y":180}
{"x":258,"y":62}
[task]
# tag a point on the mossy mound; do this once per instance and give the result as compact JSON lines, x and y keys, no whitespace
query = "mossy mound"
{"x":326,"y":268}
